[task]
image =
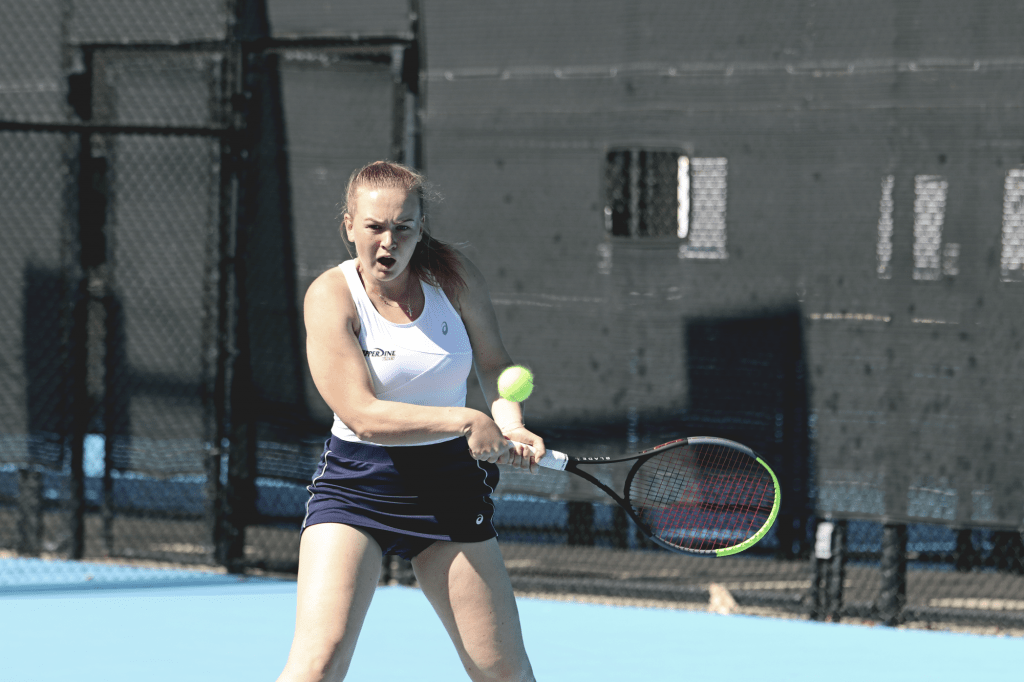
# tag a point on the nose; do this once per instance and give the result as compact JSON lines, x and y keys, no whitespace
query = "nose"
{"x":387,"y":240}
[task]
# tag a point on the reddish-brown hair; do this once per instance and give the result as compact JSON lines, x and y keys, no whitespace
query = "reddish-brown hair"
{"x":433,"y":261}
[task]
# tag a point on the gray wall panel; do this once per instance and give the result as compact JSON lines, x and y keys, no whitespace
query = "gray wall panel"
{"x":814,"y":107}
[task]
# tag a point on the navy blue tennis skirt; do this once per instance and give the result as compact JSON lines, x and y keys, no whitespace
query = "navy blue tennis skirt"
{"x":405,"y":497}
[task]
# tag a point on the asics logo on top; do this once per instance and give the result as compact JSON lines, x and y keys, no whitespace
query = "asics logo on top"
{"x":479,"y":519}
{"x":444,"y":328}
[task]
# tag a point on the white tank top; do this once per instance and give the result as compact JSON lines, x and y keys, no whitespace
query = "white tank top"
{"x":424,"y":362}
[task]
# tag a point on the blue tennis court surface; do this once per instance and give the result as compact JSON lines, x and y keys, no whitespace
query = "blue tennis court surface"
{"x":241,"y":630}
{"x":39,"y":575}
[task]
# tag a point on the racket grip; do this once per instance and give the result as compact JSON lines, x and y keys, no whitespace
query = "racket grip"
{"x":552,"y":459}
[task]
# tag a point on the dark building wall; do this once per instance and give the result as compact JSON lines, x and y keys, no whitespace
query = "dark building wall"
{"x":814,"y":107}
{"x":914,"y":388}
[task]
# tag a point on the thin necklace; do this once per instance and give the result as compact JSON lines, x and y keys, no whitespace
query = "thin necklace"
{"x":389,"y":303}
{"x":396,"y":304}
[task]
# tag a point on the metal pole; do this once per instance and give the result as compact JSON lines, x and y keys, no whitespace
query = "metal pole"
{"x":893,"y":595}
{"x":836,"y":572}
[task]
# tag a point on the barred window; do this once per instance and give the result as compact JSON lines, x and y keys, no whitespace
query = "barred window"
{"x":664,"y":193}
{"x":929,"y":215}
{"x":1012,"y":258}
{"x":933,"y":258}
{"x":885,"y":229}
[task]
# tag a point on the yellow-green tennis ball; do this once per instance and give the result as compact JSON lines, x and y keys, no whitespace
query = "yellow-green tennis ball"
{"x":515,"y":384}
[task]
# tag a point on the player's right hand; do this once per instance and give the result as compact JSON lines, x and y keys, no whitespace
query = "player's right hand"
{"x":486,"y":442}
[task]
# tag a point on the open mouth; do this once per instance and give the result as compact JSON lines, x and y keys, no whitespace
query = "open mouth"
{"x":386,"y":261}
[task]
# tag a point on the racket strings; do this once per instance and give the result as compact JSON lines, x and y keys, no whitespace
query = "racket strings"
{"x":703,"y":497}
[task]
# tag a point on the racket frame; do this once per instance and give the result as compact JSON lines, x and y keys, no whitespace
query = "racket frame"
{"x":570,"y":463}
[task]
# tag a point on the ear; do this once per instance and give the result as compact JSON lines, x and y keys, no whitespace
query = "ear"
{"x":346,"y":225}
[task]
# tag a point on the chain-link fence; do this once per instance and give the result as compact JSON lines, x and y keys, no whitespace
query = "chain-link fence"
{"x":166,"y":201}
{"x":170,"y":188}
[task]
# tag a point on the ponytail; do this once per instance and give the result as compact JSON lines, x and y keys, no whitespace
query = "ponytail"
{"x":438,"y":263}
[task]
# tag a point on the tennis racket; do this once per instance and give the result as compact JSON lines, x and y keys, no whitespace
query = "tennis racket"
{"x":703,"y":495}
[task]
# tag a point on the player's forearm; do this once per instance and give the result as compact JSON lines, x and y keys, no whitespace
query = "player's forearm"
{"x":393,"y":423}
{"x":506,"y":414}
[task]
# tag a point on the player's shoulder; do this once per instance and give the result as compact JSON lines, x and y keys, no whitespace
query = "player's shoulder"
{"x":329,"y":292}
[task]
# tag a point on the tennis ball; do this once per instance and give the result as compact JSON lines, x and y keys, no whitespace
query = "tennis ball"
{"x":515,"y":383}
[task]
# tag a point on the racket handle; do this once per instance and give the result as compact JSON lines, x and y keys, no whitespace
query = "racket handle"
{"x":552,"y":459}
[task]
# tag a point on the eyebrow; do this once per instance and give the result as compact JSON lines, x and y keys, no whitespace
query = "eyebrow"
{"x":371,"y":219}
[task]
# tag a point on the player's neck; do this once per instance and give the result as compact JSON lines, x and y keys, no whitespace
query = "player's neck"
{"x":399,"y":289}
{"x":400,"y":293}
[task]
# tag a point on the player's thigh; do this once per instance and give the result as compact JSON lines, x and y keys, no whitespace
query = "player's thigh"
{"x":469,"y":588}
{"x":339,"y":567}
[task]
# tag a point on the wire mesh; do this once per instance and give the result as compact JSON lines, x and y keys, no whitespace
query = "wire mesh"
{"x":30,"y":71}
{"x":155,"y":406}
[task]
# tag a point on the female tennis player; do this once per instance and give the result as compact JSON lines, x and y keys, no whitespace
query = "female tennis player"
{"x":391,"y":337}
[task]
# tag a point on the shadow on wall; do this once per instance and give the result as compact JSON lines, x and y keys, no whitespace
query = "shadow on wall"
{"x":747,"y":382}
{"x":46,"y":364}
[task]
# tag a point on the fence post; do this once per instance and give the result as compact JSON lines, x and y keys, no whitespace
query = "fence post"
{"x":828,"y":570}
{"x":88,"y":337}
{"x":822,"y":551}
{"x":965,"y":556}
{"x":226,"y":216}
{"x":837,"y":572}
{"x":30,"y":510}
{"x":620,"y":528}
{"x":78,"y":350}
{"x":238,"y":492}
{"x":893,"y":595}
